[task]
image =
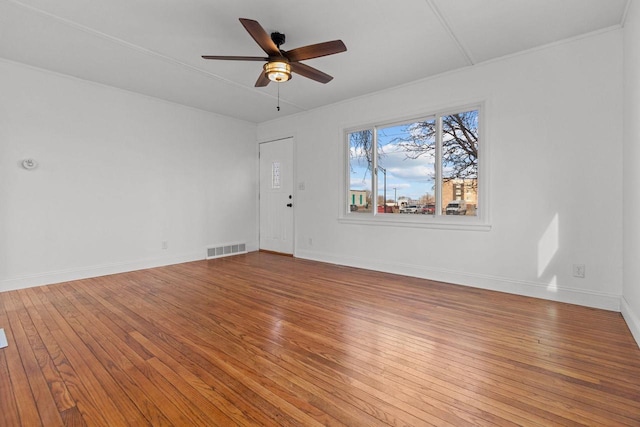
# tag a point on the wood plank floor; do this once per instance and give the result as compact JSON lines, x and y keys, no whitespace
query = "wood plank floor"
{"x":261,"y":339}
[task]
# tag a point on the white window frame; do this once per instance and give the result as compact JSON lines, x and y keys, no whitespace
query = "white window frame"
{"x":479,"y":222}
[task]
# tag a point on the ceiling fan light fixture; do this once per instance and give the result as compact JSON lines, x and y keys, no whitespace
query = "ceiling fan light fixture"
{"x":277,"y":71}
{"x":280,"y":64}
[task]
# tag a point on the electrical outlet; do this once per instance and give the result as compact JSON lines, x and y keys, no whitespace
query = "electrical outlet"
{"x":578,"y":270}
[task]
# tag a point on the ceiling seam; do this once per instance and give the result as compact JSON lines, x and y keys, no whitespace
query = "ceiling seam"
{"x":624,"y":13}
{"x":445,"y":24}
{"x":148,"y":52}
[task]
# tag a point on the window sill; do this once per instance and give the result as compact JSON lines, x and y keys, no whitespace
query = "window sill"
{"x":408,"y":220}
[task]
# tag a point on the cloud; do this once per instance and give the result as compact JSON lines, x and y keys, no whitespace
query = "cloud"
{"x":411,"y":178}
{"x":397,"y":185}
{"x":357,"y":183}
{"x":398,"y":165}
{"x":415,"y":173}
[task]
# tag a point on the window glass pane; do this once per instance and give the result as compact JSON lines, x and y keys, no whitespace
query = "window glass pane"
{"x":460,"y":163}
{"x":360,"y":164}
{"x":406,"y":168}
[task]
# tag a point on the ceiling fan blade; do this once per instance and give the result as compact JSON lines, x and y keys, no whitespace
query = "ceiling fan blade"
{"x":260,"y":36}
{"x":235,"y":58}
{"x":316,"y":50}
{"x":310,"y":72}
{"x":263,"y":80}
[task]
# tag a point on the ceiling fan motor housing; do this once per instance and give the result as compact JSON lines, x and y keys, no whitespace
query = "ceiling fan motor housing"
{"x":278,"y":38}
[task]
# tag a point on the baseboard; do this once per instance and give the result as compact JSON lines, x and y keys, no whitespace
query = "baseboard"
{"x":633,"y":322}
{"x":501,"y":284}
{"x":494,"y":283}
{"x":49,"y":278}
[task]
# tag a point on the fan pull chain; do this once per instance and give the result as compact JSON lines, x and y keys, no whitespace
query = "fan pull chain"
{"x":278,"y":84}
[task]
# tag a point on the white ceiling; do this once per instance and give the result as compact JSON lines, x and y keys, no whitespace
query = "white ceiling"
{"x":153,"y":47}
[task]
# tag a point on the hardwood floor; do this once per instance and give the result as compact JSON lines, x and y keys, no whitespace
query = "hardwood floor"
{"x":262,"y":339}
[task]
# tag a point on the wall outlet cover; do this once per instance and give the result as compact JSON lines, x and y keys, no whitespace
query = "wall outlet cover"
{"x":578,"y":270}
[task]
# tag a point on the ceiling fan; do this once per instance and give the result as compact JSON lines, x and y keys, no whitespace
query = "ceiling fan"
{"x":280,"y":64}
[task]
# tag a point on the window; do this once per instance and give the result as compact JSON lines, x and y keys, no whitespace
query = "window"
{"x":424,"y":169}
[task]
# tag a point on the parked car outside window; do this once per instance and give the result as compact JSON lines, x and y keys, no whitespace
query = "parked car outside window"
{"x":409,"y":209}
{"x":456,"y":207}
{"x":429,"y":209}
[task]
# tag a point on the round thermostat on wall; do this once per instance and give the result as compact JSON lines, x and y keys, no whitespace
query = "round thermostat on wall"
{"x":29,"y":164}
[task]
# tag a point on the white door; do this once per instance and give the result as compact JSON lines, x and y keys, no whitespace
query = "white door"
{"x":276,"y":196}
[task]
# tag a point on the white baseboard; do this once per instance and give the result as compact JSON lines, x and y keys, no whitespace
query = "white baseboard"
{"x":95,"y":271}
{"x":632,"y":319}
{"x":531,"y":289}
{"x":493,"y":283}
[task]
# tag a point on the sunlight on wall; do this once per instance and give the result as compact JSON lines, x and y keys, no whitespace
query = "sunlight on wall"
{"x":553,"y":284}
{"x":547,"y":248}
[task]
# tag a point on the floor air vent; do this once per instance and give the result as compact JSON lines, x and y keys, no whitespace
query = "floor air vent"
{"x":226,"y":250}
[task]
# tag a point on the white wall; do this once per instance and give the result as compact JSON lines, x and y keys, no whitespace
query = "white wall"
{"x":118,"y":174}
{"x":554,"y":129}
{"x":631,"y":177}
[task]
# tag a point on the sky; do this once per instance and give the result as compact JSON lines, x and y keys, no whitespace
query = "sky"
{"x":412,"y":178}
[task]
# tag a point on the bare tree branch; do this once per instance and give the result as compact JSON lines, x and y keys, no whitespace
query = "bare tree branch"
{"x":361,"y":147}
{"x":459,"y":143}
